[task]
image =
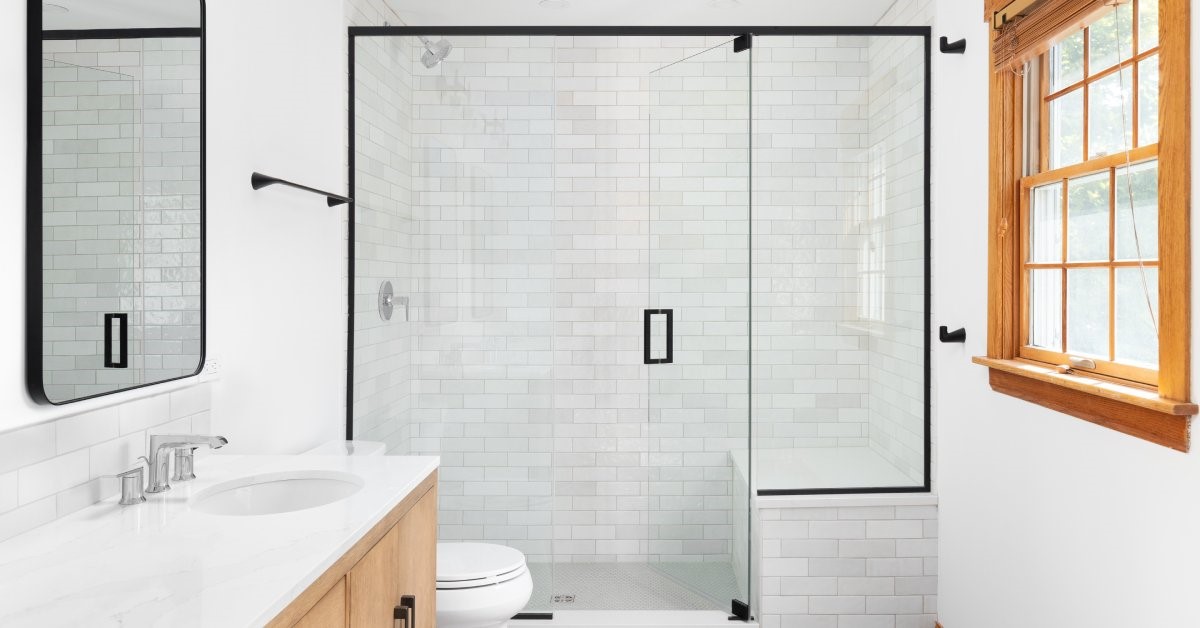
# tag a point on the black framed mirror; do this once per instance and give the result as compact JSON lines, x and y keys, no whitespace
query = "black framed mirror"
{"x":115,"y":196}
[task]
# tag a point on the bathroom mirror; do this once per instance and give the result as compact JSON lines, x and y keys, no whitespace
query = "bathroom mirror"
{"x":115,"y":196}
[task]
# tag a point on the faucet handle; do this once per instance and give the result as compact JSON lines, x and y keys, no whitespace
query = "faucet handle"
{"x":184,"y":464}
{"x":133,"y":484}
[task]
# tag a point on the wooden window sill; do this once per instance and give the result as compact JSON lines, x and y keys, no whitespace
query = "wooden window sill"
{"x":1130,"y":409}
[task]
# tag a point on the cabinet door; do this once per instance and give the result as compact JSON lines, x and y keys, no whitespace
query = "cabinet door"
{"x":417,"y":576}
{"x":373,"y":584}
{"x":329,"y":612}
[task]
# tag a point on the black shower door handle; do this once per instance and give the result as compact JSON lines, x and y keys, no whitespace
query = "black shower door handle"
{"x":123,"y":321}
{"x":647,"y":354}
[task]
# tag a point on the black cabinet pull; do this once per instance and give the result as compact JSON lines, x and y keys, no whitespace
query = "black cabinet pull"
{"x":409,"y":603}
{"x":123,"y":320}
{"x":646,"y":336}
{"x":401,"y":617}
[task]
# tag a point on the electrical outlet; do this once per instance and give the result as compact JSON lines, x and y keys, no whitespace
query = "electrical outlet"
{"x":212,"y":368}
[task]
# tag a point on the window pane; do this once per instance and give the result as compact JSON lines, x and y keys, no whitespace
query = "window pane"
{"x":1066,"y":62}
{"x":1066,"y":129}
{"x":1087,"y":218}
{"x":1110,"y":39}
{"x":1087,"y":312}
{"x":1137,"y":310}
{"x":1148,"y":101}
{"x":1110,"y":114}
{"x":1045,"y":309}
{"x":1147,"y":25}
{"x":1045,"y":224}
{"x":1137,"y":212}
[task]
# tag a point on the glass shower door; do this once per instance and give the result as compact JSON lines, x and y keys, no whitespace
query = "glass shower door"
{"x":696,"y":325}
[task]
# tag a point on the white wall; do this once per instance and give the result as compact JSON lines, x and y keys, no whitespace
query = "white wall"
{"x":1046,"y":520}
{"x":276,"y":104}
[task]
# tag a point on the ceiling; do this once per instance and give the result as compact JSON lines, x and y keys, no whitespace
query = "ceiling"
{"x":87,"y":14}
{"x":640,"y":12}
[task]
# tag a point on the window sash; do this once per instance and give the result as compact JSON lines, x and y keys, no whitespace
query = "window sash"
{"x":1089,"y":78}
{"x":1107,"y":367}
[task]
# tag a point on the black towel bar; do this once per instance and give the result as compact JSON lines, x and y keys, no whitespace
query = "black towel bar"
{"x":259,"y":181}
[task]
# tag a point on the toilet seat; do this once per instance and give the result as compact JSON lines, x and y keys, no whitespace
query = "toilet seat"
{"x":473,"y":565}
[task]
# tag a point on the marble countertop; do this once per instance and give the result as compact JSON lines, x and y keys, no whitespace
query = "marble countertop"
{"x":162,"y":563}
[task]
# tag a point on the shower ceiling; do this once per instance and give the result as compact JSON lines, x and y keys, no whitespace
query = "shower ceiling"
{"x":640,"y":12}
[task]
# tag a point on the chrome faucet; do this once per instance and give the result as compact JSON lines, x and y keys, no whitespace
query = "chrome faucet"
{"x":160,"y":447}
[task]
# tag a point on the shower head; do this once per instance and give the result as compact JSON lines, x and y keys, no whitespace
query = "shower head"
{"x":434,"y":53}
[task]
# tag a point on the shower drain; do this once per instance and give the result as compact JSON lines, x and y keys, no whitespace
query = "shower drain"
{"x":564,"y":598}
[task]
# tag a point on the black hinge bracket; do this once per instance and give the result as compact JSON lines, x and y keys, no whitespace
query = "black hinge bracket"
{"x":741,"y":611}
{"x":743,"y":42}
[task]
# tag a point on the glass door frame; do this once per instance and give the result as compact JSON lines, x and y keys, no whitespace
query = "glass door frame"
{"x":923,"y":32}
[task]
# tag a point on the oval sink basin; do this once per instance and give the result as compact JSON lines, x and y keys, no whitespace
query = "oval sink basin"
{"x":274,"y":493}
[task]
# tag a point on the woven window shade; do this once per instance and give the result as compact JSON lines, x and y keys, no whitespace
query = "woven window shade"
{"x":1026,"y":36}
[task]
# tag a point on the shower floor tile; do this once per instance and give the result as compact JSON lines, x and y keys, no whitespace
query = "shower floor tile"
{"x":631,"y":586}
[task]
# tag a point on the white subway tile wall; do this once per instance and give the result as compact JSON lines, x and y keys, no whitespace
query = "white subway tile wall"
{"x":847,"y":566}
{"x":53,"y":469}
{"x":384,"y":240}
{"x":528,"y":238}
{"x":485,"y":389}
{"x":533,"y":255}
{"x":121,"y":168}
{"x":810,"y":149}
{"x":896,"y":220}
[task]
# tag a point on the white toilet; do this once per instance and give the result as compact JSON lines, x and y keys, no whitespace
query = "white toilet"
{"x":480,"y":585}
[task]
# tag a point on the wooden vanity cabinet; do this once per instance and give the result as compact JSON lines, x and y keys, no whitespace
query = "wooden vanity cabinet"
{"x":397,"y":558}
{"x":330,"y":610}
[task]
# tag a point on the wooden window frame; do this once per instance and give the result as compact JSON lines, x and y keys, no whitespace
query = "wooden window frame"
{"x":1158,"y":413}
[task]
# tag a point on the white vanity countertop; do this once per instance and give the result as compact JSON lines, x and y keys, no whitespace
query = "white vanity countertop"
{"x":162,"y":563}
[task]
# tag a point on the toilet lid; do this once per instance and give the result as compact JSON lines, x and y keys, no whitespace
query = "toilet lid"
{"x":477,"y":564}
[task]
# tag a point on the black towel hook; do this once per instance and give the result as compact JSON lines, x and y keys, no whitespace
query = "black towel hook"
{"x":958,"y":335}
{"x":952,"y":48}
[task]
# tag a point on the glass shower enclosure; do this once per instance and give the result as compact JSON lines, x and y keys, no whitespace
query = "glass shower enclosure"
{"x":626,"y":264}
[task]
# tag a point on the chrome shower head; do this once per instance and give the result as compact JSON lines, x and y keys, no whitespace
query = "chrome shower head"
{"x":434,"y":53}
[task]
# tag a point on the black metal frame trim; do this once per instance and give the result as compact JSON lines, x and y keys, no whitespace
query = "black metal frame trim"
{"x":124,"y":33}
{"x":924,"y":32}
{"x":583,"y":31}
{"x":34,"y":36}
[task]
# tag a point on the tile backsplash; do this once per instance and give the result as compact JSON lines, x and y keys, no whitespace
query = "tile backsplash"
{"x":53,"y":469}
